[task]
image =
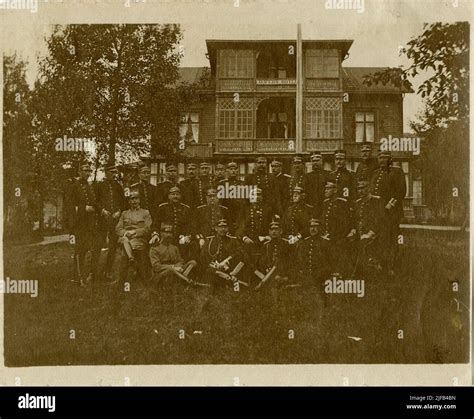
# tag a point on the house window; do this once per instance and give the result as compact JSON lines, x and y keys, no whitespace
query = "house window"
{"x":364,"y":126}
{"x":236,"y":63}
{"x":323,"y":118}
{"x":322,"y":63}
{"x":189,"y":127}
{"x":417,"y":192}
{"x":236,"y":118}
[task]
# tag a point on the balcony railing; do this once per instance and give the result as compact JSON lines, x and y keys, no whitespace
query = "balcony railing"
{"x":322,"y":84}
{"x":235,"y":85}
{"x":276,"y":84}
{"x":272,"y":146}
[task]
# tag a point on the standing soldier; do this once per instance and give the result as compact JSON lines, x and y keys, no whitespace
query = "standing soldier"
{"x":311,"y":257}
{"x":296,"y":220}
{"x":388,"y":182}
{"x":208,"y":215}
{"x":253,"y":228}
{"x":343,"y":177}
{"x":148,"y":193}
{"x":368,"y":217}
{"x":235,"y":205}
{"x":282,"y":184}
{"x":172,"y":179}
{"x":205,"y":182}
{"x":222,"y":257}
{"x":299,"y":176}
{"x":84,"y":225}
{"x":336,"y":226}
{"x":262,"y":180}
{"x":133,"y":231}
{"x":315,"y":183}
{"x":189,"y":186}
{"x":110,"y":204}
{"x":219,"y":173}
{"x":179,"y":216}
{"x":368,"y":165}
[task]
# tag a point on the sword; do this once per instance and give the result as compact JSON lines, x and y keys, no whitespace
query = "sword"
{"x":265,"y":278}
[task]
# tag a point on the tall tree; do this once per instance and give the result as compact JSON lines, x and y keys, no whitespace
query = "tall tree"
{"x":441,"y":53}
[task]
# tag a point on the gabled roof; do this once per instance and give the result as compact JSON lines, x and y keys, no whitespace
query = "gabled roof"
{"x":353,"y":81}
{"x":191,"y":74}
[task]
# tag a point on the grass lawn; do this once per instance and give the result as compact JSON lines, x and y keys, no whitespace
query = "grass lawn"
{"x":147,"y":325}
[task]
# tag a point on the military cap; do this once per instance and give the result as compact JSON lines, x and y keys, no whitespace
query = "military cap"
{"x":363,"y":183}
{"x":171,"y":166}
{"x":261,"y":158}
{"x":192,"y":165}
{"x":204,"y":164}
{"x":366,"y":147}
{"x":232,"y":164}
{"x":258,"y":190}
{"x":298,"y":189}
{"x":132,"y":193}
{"x":222,"y":223}
{"x":298,"y":159}
{"x":219,"y":164}
{"x":211,"y":192}
{"x":330,"y":184}
{"x":276,"y":163}
{"x":316,"y":156}
{"x":275,"y":223}
{"x":340,"y":154}
{"x":85,"y":166}
{"x":174,"y":189}
{"x":145,"y":169}
{"x":314,"y":222}
{"x":384,"y":153}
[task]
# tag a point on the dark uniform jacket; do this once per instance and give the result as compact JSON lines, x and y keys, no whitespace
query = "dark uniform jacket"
{"x":206,"y":218}
{"x":82,"y":193}
{"x":236,"y":206}
{"x":110,"y":196}
{"x":389,"y":182}
{"x":345,"y":181}
{"x":266,"y":183}
{"x":255,"y":221}
{"x":178,"y":215}
{"x":282,"y":184}
{"x":216,"y":249}
{"x":315,"y":184}
{"x":365,"y":170}
{"x":148,"y":196}
{"x":369,"y":213}
{"x":297,"y":180}
{"x":336,"y":220}
{"x":163,"y":190}
{"x":310,"y":257}
{"x":276,"y":253}
{"x":297,"y":217}
{"x":190,"y":192}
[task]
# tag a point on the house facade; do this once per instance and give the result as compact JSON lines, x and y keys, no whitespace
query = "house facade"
{"x":281,"y":97}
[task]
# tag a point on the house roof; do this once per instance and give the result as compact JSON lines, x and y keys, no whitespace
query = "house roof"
{"x":353,"y":78}
{"x":353,"y":81}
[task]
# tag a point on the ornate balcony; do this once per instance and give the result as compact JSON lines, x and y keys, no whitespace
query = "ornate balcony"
{"x":235,"y":85}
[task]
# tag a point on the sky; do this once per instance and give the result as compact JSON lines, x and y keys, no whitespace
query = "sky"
{"x":377,"y":32}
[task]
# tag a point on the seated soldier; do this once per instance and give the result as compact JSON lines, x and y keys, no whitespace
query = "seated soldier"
{"x":221,"y":256}
{"x":166,"y":260}
{"x":274,"y":261}
{"x":207,"y":216}
{"x":133,"y":231}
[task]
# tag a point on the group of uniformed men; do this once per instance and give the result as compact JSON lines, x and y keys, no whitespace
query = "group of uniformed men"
{"x":296,"y":230}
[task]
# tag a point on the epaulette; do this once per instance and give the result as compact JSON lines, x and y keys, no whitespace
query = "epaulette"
{"x":184,"y":205}
{"x":307,"y":238}
{"x":327,"y":199}
{"x":232,"y":237}
{"x":201,"y":206}
{"x":210,"y":237}
{"x":309,"y":206}
{"x":163,"y":204}
{"x":222,"y":206}
{"x":342,"y":199}
{"x":286,"y":240}
{"x":357,"y":200}
{"x":286,"y":175}
{"x":376,"y":196}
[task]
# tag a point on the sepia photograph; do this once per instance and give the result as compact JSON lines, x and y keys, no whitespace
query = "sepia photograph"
{"x":184,"y":193}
